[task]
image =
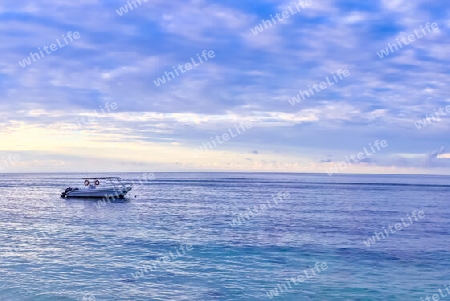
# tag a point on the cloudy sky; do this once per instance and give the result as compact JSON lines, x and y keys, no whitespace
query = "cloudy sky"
{"x":51,"y":105}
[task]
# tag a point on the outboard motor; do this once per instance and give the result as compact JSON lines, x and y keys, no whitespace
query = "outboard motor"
{"x":63,"y":195}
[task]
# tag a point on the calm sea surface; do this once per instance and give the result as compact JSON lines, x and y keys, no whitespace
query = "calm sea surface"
{"x":179,"y":227}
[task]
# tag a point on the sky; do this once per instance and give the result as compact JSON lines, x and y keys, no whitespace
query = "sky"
{"x":98,"y":99}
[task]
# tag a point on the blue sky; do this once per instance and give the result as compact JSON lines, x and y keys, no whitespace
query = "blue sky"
{"x":250,"y":79}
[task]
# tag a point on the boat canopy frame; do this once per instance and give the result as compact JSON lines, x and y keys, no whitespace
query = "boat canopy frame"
{"x":101,"y":178}
{"x":119,"y":179}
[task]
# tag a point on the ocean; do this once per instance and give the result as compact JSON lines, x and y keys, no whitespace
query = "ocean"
{"x":227,"y":236}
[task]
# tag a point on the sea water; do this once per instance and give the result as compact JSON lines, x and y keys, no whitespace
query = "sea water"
{"x":227,"y":236}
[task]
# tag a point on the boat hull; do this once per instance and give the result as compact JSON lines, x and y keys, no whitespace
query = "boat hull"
{"x":98,"y":193}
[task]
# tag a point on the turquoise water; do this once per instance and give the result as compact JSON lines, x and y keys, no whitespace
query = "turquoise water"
{"x":179,"y":227}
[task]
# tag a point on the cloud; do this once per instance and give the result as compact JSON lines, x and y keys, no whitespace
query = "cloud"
{"x":251,"y":78}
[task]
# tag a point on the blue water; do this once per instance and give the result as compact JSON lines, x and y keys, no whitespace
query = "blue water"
{"x":56,"y":249}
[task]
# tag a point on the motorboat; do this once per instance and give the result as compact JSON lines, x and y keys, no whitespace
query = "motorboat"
{"x":109,"y":187}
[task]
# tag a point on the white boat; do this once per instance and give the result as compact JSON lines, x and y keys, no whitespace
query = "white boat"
{"x":109,"y":187}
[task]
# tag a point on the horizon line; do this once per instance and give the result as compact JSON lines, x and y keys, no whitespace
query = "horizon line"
{"x":242,"y":172}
